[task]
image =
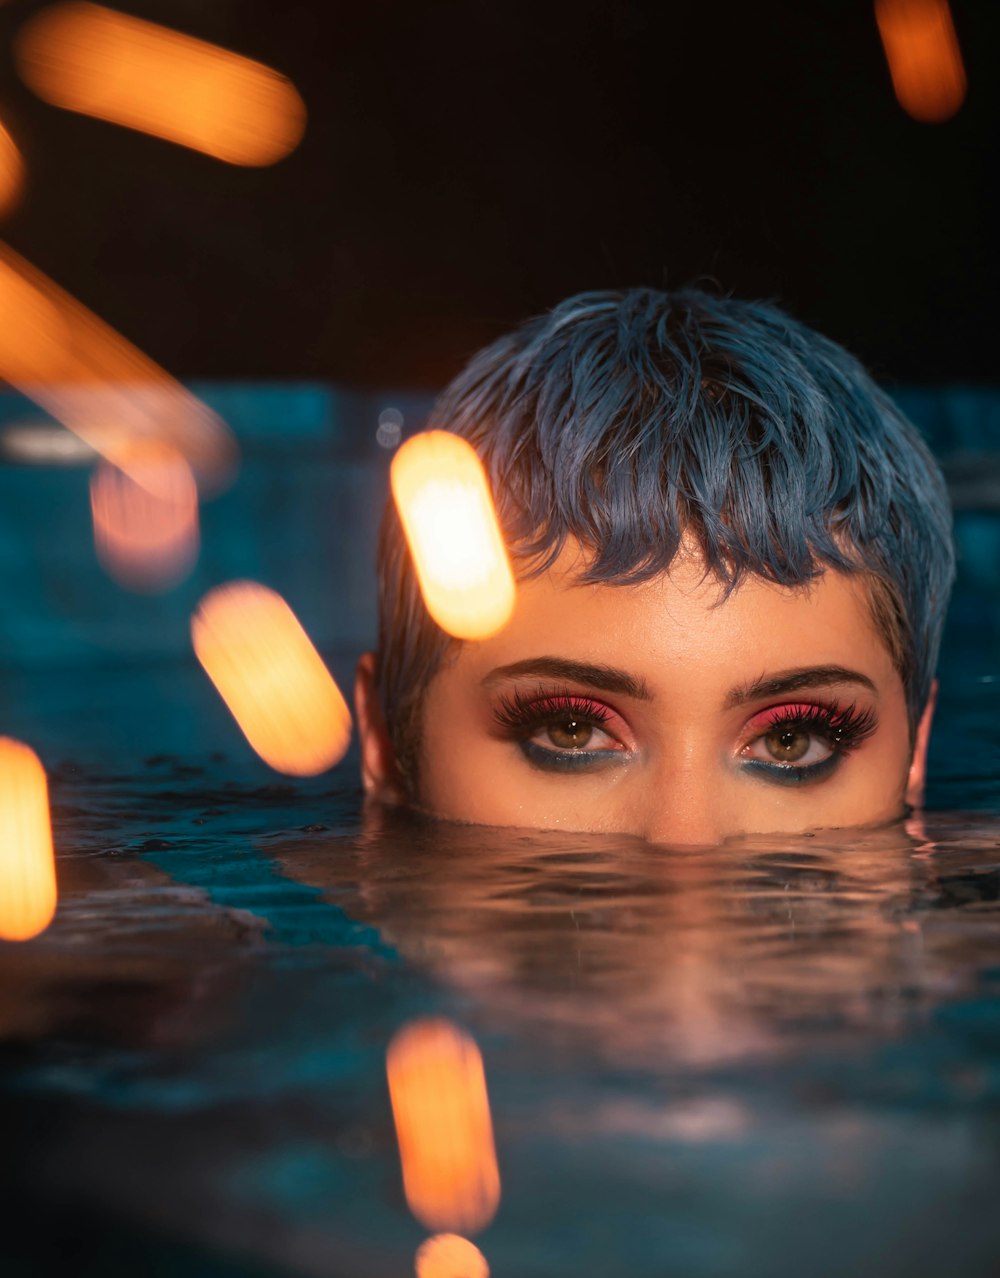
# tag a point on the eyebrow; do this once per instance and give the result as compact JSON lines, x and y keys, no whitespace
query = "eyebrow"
{"x":611,"y":679}
{"x":601,"y":678}
{"x":798,"y":680}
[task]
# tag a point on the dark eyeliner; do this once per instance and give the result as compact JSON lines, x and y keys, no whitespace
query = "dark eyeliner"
{"x":842,"y":729}
{"x":521,"y":715}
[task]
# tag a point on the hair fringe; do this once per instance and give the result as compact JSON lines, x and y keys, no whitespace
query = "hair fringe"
{"x":629,"y":420}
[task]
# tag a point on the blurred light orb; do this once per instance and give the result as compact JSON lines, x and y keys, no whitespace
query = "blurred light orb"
{"x":146,"y":521}
{"x":273,"y":680}
{"x":109,"y":65}
{"x":925,"y":61}
{"x":27,"y":859}
{"x":450,"y":1256}
{"x":390,"y":428}
{"x":446,"y":509}
{"x":443,"y":1126}
{"x":97,"y":384}
{"x":11,"y":172}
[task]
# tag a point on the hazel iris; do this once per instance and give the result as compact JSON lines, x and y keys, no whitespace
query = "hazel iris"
{"x":787,"y":745}
{"x":570,"y":734}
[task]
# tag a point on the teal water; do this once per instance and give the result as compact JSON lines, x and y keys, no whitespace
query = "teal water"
{"x":768,"y":1058}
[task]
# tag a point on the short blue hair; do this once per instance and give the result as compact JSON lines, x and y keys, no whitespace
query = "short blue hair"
{"x":628,"y":420}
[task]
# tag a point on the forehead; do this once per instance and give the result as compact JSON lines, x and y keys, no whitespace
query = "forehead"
{"x":677,"y":631}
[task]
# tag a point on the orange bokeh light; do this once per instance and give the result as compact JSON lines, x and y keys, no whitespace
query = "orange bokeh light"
{"x":450,"y":1256}
{"x":134,"y":73}
{"x":272,"y":678}
{"x":11,"y":172}
{"x":443,"y":1125}
{"x":924,"y":57}
{"x":444,"y":503}
{"x":146,"y":533}
{"x":27,"y":860}
{"x":97,"y":383}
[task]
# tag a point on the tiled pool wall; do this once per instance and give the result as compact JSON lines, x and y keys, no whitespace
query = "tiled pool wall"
{"x":302,"y":517}
{"x":962,"y":426}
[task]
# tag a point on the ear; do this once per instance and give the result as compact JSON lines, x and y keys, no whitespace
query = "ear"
{"x":918,"y":766}
{"x":379,"y":773}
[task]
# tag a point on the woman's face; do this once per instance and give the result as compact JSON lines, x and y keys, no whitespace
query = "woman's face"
{"x":654,"y":710}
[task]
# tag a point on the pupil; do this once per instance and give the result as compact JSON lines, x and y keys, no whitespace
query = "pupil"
{"x":788,"y":745}
{"x":571,"y":734}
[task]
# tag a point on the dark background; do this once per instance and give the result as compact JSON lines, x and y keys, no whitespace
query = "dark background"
{"x":470,"y":162}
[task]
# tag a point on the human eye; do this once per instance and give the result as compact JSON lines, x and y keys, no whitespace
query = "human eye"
{"x":560,"y":731}
{"x":798,"y":744}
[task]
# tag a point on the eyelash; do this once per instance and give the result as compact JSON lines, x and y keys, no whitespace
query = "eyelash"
{"x":523,"y":714}
{"x":845,"y":728}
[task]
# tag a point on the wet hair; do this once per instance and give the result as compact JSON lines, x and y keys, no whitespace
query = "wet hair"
{"x":630,"y":420}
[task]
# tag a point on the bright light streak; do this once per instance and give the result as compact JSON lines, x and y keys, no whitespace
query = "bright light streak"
{"x":11,"y":172}
{"x":106,"y":64}
{"x":146,"y":533}
{"x":444,"y":502}
{"x":272,"y":678}
{"x":443,"y":1125}
{"x":98,"y":384}
{"x":924,"y":57}
{"x":449,"y":1256}
{"x":27,"y":860}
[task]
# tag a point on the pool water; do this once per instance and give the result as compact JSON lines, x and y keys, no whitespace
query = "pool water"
{"x":777,"y":1057}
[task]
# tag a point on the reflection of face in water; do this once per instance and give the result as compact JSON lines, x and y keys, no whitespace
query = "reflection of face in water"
{"x":658,"y":711}
{"x":652,"y":953}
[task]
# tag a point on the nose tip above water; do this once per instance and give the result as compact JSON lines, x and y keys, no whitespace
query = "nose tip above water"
{"x":685,"y":812}
{"x":685,"y":827}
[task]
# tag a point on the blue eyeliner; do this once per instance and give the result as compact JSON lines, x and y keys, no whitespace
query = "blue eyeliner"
{"x":570,"y":760}
{"x":789,"y":773}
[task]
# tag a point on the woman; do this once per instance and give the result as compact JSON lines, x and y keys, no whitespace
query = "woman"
{"x":734,"y":559}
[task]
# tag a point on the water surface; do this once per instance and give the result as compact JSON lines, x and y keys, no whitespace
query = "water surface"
{"x":775,"y":1056}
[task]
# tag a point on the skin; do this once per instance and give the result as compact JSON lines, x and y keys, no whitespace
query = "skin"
{"x":689,"y":754}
